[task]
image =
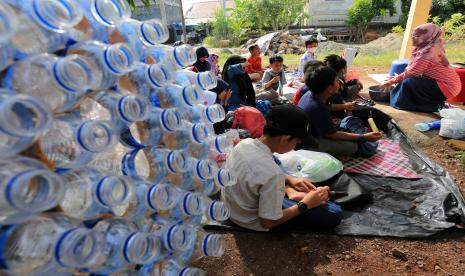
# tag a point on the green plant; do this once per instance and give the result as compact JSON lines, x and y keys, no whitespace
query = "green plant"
{"x":398,"y":29}
{"x":362,"y":12}
{"x":461,"y":156}
{"x":454,"y":27}
{"x":133,"y":6}
{"x":211,"y":41}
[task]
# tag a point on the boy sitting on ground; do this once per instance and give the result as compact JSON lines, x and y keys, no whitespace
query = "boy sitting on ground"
{"x":255,"y":69}
{"x":273,"y":80}
{"x":311,"y":45}
{"x":323,"y":83}
{"x":257,"y":201}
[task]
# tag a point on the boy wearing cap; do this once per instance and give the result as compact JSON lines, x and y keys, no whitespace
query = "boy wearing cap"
{"x":258,"y":200}
{"x":323,"y":83}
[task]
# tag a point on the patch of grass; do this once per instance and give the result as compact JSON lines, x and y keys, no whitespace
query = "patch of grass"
{"x":455,"y":52}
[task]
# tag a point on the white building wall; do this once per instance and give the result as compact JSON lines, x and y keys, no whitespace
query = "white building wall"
{"x":334,"y":13}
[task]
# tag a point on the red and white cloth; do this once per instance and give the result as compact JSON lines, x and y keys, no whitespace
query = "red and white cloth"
{"x":389,"y":161}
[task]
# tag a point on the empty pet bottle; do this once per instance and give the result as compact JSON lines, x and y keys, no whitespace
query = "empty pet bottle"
{"x":123,"y":245}
{"x":150,"y":132}
{"x":27,"y":187}
{"x":43,"y":25}
{"x":206,"y":244}
{"x":145,"y":77}
{"x":90,"y":194}
{"x":150,"y":198}
{"x":189,"y":206}
{"x":169,"y":267}
{"x":58,"y":82}
{"x":121,"y":109}
{"x":177,"y":96}
{"x":23,"y":119}
{"x":204,"y":80}
{"x":425,"y":126}
{"x":139,"y":34}
{"x":71,"y":142}
{"x":7,"y":53}
{"x":107,"y":61}
{"x":47,"y":244}
{"x":208,"y":114}
{"x":8,"y":23}
{"x":224,"y":178}
{"x":99,"y":16}
{"x":187,"y":134}
{"x":175,"y":57}
{"x":122,"y":160}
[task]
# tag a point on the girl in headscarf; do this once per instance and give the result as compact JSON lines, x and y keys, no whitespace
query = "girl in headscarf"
{"x":234,"y":73}
{"x":202,"y":64}
{"x":428,"y":79}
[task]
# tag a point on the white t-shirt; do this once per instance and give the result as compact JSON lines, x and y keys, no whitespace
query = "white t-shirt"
{"x":259,"y":191}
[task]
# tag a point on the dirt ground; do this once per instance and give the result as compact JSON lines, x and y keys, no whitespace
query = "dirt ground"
{"x":327,"y":254}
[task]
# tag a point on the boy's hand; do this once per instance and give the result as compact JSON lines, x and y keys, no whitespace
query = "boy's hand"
{"x":276,"y":79}
{"x":317,"y":197}
{"x":373,"y":136}
{"x":359,"y":85}
{"x":245,"y":64}
{"x":349,"y":105}
{"x":300,"y":184}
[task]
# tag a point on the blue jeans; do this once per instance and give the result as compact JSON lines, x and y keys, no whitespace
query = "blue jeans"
{"x":322,"y":218}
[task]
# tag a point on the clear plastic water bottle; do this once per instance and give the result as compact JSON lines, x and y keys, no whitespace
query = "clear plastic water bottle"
{"x":207,"y":244}
{"x":224,"y":178}
{"x":199,"y":151}
{"x":177,"y":96}
{"x":207,"y":114}
{"x":175,"y":57}
{"x":119,"y":108}
{"x":123,"y":246}
{"x":169,"y":267}
{"x":47,"y":244}
{"x":27,"y":187}
{"x":204,"y":80}
{"x":139,"y":34}
{"x":71,"y":142}
{"x":99,"y":15}
{"x":107,"y":61}
{"x":8,"y":23}
{"x":190,"y":206}
{"x":217,"y":211}
{"x":90,"y":194}
{"x":150,"y":132}
{"x":23,"y":119}
{"x":58,"y":82}
{"x":45,"y":23}
{"x":222,"y":143}
{"x":146,"y":77}
{"x":122,"y":160}
{"x":7,"y":53}
{"x":425,"y":126}
{"x":175,"y":236}
{"x":189,"y":133}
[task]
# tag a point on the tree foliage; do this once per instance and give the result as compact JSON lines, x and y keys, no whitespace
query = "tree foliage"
{"x":362,"y":12}
{"x":257,"y":16}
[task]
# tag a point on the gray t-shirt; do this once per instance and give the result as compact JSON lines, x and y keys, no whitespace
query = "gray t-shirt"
{"x":269,"y":74}
{"x":259,"y":191}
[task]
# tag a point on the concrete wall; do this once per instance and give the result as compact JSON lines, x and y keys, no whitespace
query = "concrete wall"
{"x":334,"y":13}
{"x":172,"y":11}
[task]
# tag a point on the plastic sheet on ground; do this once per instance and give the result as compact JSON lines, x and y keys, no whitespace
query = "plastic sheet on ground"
{"x":402,"y":207}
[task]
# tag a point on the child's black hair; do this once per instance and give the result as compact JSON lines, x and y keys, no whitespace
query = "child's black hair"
{"x":276,"y":58}
{"x":336,"y":62}
{"x":251,"y":47}
{"x":271,"y":131}
{"x":310,"y":41}
{"x":312,"y":64}
{"x":319,"y":79}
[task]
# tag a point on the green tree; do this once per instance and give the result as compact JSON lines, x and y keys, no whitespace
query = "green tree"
{"x":362,"y":12}
{"x":444,"y":9}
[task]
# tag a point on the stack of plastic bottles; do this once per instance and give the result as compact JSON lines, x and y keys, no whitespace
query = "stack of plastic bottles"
{"x":107,"y":150}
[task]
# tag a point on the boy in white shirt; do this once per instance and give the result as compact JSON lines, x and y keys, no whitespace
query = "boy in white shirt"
{"x":258,"y":199}
{"x":311,"y":45}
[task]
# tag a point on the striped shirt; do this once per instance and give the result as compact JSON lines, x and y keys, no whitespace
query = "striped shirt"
{"x":448,"y":80}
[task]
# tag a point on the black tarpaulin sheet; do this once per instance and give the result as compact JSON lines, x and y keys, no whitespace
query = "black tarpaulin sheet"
{"x":402,"y":207}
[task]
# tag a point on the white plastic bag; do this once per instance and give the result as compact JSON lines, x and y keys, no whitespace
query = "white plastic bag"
{"x":315,"y":166}
{"x":452,"y":123}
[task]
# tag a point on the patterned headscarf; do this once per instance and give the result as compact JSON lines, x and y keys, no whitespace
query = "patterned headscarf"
{"x":430,"y":44}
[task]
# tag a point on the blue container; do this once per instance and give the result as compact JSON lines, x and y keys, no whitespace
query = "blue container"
{"x":398,"y":66}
